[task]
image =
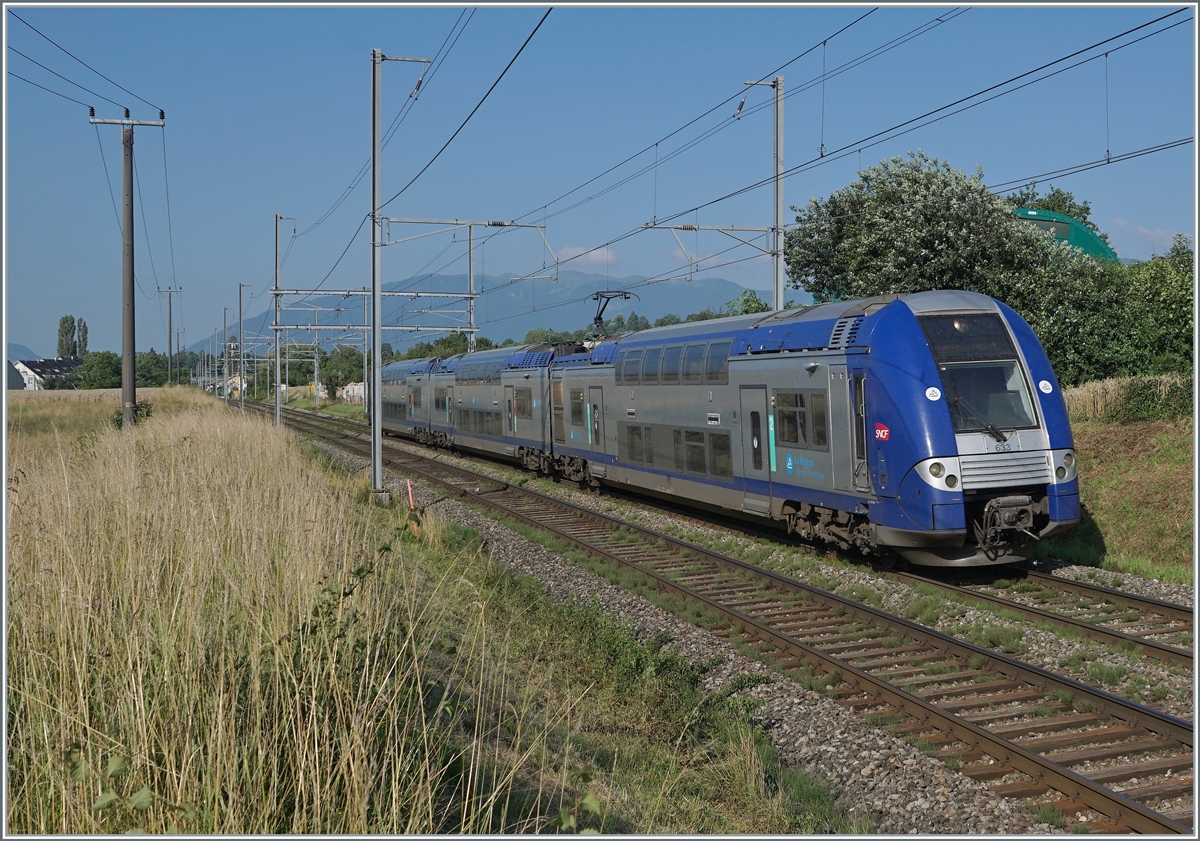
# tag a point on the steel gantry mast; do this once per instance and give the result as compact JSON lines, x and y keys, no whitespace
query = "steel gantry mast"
{"x":777,"y":246}
{"x":376,"y":396}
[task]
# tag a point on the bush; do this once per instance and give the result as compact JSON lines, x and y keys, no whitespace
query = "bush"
{"x":142,"y":410}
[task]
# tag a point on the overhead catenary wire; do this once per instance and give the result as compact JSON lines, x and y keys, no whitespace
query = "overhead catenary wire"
{"x":908,"y":125}
{"x":85,"y":64}
{"x":869,"y":55}
{"x":430,"y":71}
{"x":473,"y":110}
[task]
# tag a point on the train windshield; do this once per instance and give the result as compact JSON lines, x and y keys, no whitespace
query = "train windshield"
{"x":985,"y":387}
{"x":987,"y":396}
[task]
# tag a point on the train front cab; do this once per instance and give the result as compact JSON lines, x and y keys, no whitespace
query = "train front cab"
{"x":963,"y":432}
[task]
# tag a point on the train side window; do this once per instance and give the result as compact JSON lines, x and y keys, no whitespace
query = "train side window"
{"x":670,"y":364}
{"x":650,"y":365}
{"x":716,"y":369}
{"x":577,"y":408}
{"x":696,"y":461}
{"x":634,"y":437}
{"x":693,"y":364}
{"x":632,"y":363}
{"x":678,"y":437}
{"x":820,"y":439}
{"x":523,"y":403}
{"x":416,"y":398}
{"x":620,"y":366}
{"x":439,"y":399}
{"x":790,"y":421}
{"x":719,"y":455}
{"x":649,"y":442}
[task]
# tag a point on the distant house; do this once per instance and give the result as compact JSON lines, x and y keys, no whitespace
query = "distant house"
{"x":15,"y":381}
{"x":35,"y":372}
{"x":351,"y":393}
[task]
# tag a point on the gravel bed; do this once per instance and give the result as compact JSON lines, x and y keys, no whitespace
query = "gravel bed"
{"x":1148,"y":587}
{"x":876,"y":776}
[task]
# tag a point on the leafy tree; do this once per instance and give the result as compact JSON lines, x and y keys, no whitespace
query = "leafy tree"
{"x":908,"y":225}
{"x":101,"y":369}
{"x":668,"y":319}
{"x":150,"y":369}
{"x":747,"y":303}
{"x":1058,"y":201}
{"x":81,"y":341}
{"x":343,"y":365}
{"x":913,"y":224}
{"x":706,"y":314}
{"x":1158,"y":311}
{"x":66,"y":337}
{"x":448,"y":345}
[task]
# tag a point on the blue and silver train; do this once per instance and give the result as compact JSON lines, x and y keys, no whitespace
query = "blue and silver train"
{"x":929,"y":425}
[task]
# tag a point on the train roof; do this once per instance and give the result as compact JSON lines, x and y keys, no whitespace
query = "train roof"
{"x":827,"y":326}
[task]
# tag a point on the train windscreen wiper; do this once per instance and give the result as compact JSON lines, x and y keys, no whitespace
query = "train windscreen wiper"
{"x":991,"y":428}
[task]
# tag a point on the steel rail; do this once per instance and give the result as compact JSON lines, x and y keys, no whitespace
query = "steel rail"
{"x":1151,"y":648}
{"x":1171,"y":609}
{"x":1119,"y":809}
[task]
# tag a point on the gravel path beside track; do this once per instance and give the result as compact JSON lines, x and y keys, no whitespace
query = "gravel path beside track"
{"x":878,"y":777}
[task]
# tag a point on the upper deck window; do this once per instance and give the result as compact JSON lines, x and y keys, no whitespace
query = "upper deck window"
{"x":960,"y":338}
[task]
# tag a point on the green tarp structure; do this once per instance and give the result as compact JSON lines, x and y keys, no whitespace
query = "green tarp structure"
{"x":1069,"y":230}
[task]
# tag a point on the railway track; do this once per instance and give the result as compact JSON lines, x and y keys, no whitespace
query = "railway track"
{"x":1027,"y":732}
{"x":1131,"y":623}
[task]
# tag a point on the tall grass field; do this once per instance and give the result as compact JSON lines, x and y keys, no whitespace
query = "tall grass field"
{"x":212,"y":630}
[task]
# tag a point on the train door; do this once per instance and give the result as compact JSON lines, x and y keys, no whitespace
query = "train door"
{"x":839,"y":429}
{"x":756,"y":461}
{"x":510,"y":416}
{"x":449,"y":419}
{"x":595,"y":420}
{"x":858,"y":402}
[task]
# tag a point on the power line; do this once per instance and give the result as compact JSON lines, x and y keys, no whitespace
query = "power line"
{"x":107,"y":178}
{"x":85,"y":64}
{"x":47,"y":90}
{"x":64,"y":78}
{"x":167,"y":185}
{"x":473,"y":110}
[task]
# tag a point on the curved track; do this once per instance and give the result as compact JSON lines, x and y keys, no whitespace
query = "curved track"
{"x":1026,"y":731}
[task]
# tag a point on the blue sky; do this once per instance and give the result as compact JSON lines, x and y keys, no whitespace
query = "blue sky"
{"x":268,"y":111}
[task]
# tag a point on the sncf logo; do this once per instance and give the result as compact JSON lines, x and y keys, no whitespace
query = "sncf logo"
{"x":881,"y":432}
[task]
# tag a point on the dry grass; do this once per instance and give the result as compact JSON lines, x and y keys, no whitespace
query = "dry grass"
{"x":211,"y":632}
{"x":228,"y":647}
{"x":1102,"y":399}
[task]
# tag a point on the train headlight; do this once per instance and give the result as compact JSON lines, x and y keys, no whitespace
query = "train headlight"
{"x":1068,"y":460}
{"x":951,"y":481}
{"x":1061,"y":472}
{"x":936,"y":470}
